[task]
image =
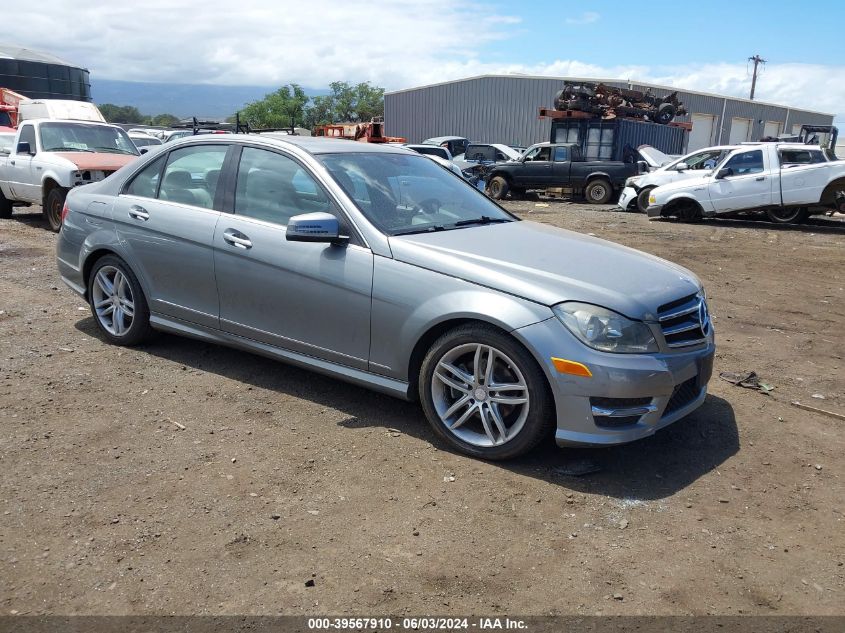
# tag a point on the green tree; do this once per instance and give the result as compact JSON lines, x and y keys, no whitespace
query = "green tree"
{"x":164,"y":120}
{"x":121,"y":114}
{"x":283,"y":108}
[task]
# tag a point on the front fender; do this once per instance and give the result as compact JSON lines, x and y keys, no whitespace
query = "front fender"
{"x":57,"y":177}
{"x":409,"y":302}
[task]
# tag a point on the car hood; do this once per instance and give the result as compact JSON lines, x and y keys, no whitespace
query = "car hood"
{"x":103,"y":161}
{"x":689,"y":182}
{"x":653,"y":156}
{"x":549,"y":265}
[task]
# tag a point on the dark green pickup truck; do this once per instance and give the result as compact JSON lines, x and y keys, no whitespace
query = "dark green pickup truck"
{"x":560,"y":166}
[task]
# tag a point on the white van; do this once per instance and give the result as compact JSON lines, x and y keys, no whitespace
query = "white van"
{"x":65,"y":109}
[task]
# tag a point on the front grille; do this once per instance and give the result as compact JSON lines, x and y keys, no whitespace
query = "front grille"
{"x":682,"y":395}
{"x":684,"y":322}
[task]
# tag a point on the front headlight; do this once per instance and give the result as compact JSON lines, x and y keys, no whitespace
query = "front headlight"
{"x":605,"y":330}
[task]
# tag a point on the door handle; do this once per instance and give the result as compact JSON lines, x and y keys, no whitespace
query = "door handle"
{"x":139,"y":213}
{"x":760,"y":178}
{"x":236,"y":239}
{"x":11,"y":162}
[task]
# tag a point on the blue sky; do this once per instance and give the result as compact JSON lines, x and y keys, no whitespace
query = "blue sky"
{"x":658,"y":33}
{"x":404,"y":43}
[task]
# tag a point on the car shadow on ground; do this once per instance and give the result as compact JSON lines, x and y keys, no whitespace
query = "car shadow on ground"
{"x":649,"y":469}
{"x":814,"y":224}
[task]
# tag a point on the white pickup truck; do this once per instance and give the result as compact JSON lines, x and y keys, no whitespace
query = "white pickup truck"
{"x":638,"y":188}
{"x":786,"y":181}
{"x":49,"y":157}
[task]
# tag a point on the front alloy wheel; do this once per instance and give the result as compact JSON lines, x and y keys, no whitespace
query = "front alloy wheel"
{"x":484,"y":393}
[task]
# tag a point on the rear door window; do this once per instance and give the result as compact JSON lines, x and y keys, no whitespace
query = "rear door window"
{"x":192,"y":175}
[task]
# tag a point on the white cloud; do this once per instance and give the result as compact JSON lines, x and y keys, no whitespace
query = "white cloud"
{"x":394,"y":43}
{"x":588,"y":17}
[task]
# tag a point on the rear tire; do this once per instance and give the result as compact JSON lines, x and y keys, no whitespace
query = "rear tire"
{"x":5,"y":207}
{"x":497,"y":414}
{"x":642,"y":199}
{"x":789,"y":215}
{"x":53,"y":205}
{"x":598,"y":191}
{"x":118,"y":302}
{"x":498,"y":188}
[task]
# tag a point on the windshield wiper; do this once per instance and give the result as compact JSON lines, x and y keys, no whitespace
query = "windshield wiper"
{"x":428,"y":229}
{"x":113,"y":150}
{"x":68,"y":149}
{"x":484,"y":219}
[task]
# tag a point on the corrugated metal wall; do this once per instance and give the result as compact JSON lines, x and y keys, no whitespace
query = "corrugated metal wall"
{"x":494,"y":109}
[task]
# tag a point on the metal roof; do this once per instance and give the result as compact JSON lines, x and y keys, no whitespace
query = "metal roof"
{"x":10,"y":51}
{"x":605,"y":80}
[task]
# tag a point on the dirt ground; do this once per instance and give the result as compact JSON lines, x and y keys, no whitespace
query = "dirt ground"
{"x":282,"y":476}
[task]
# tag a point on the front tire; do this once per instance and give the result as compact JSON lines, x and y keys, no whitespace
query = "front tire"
{"x":118,"y":302}
{"x":498,"y":188}
{"x":598,"y":191}
{"x":642,"y":199}
{"x":484,"y":394}
{"x":53,"y":205}
{"x":789,"y":215}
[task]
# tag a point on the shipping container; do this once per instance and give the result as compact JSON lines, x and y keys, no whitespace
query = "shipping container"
{"x":617,"y":139}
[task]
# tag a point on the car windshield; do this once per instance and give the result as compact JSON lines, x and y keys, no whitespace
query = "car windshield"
{"x":403,"y":194}
{"x":81,"y":137}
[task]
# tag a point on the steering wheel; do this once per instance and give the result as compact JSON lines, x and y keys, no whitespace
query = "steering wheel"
{"x":429,"y":206}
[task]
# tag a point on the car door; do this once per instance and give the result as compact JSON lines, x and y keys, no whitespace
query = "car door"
{"x":307,"y":297}
{"x":803,"y":176}
{"x":165,"y":217}
{"x":748,"y":184}
{"x":20,"y":168}
{"x":537,"y":167}
{"x":561,"y":165}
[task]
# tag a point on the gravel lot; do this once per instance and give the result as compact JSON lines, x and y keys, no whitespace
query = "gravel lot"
{"x":282,"y":477}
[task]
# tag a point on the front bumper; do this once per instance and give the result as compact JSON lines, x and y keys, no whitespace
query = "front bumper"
{"x":654,"y":211}
{"x":627,"y":197}
{"x":628,"y":397}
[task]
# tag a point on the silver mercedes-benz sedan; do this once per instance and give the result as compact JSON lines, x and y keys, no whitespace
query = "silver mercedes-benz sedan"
{"x":378,"y":266}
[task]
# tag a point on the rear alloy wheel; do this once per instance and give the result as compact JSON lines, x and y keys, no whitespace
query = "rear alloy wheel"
{"x":642,"y":199}
{"x":484,"y":393}
{"x":498,"y":188}
{"x":53,"y":208}
{"x":788,"y":215}
{"x":598,"y":191}
{"x":117,"y":302}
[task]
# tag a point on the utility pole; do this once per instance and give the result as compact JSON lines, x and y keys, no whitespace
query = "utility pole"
{"x":757,"y":61}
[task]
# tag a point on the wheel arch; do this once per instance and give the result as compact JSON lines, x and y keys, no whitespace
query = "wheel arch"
{"x":437,"y":330}
{"x":679,"y":202}
{"x":47,"y":185}
{"x":828,"y":197}
{"x":598,"y":175}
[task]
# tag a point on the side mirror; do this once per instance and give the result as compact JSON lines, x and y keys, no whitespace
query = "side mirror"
{"x":315,"y":227}
{"x":681,"y":167}
{"x":724,"y":173}
{"x":25,"y":148}
{"x":5,"y":150}
{"x":642,"y":167}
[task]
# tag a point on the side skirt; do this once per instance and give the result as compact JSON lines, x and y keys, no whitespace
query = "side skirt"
{"x":389,"y":386}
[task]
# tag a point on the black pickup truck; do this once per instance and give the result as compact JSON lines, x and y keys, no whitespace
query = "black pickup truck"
{"x":560,"y":166}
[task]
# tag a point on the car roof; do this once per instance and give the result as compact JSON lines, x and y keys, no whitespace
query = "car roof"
{"x":443,"y":139}
{"x":310,"y":144}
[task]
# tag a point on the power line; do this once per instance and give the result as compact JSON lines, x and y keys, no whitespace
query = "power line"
{"x":757,"y":61}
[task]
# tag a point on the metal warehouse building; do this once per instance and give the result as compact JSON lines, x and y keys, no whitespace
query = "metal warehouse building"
{"x":41,"y":75}
{"x":504,"y":109}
